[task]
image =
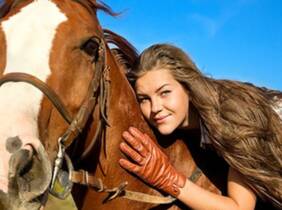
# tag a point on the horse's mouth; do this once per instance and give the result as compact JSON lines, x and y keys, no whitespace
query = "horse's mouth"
{"x":8,"y":202}
{"x":29,"y":178}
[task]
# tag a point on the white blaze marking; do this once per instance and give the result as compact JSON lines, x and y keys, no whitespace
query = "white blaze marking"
{"x":29,"y":36}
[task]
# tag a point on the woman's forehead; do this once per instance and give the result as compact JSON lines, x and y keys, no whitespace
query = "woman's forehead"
{"x":153,"y":80}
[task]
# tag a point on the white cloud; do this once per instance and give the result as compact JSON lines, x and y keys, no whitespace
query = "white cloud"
{"x":212,"y":24}
{"x":209,"y":25}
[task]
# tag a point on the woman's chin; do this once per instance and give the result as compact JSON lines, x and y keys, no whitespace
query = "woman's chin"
{"x":165,"y":130}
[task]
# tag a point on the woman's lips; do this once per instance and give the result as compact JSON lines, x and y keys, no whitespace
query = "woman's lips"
{"x":161,"y":119}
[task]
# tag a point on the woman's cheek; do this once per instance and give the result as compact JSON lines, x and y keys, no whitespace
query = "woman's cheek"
{"x":145,"y":110}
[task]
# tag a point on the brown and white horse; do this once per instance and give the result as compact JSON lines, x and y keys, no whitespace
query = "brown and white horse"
{"x":56,"y":69}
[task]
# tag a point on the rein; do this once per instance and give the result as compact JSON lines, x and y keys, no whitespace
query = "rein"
{"x":97,"y":94}
{"x":52,"y":96}
{"x":84,"y":178}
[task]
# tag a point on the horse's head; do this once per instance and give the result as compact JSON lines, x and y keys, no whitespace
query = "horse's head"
{"x":48,"y":48}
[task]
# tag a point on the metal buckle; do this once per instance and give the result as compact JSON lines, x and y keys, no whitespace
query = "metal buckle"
{"x":58,"y":162}
{"x":61,"y":185}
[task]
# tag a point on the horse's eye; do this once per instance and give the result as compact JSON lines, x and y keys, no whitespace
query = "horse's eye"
{"x":90,"y":47}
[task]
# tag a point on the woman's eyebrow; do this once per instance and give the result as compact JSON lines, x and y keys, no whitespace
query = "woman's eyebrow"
{"x":140,"y":95}
{"x":164,"y":85}
{"x":157,"y":90}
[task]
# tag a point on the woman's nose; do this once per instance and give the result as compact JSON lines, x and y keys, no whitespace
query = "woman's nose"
{"x":156,"y":106}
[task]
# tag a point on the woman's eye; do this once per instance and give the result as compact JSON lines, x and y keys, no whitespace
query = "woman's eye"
{"x":165,"y":92}
{"x":142,"y":100}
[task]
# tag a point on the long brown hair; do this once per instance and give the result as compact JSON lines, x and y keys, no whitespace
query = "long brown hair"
{"x":239,"y":118}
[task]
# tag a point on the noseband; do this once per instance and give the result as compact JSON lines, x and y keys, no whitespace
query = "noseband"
{"x":98,"y":88}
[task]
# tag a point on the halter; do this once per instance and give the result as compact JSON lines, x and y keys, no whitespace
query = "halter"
{"x":97,"y":94}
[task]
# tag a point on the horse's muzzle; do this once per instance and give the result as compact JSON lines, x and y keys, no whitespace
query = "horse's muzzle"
{"x":28,"y":180}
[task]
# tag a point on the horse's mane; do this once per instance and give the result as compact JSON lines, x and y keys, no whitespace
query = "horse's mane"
{"x":124,"y":52}
{"x":91,"y":5}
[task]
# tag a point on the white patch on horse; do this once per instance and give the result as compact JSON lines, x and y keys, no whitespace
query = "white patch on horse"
{"x":29,"y":35}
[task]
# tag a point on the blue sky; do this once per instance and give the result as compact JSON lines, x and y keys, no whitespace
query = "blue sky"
{"x":230,"y":39}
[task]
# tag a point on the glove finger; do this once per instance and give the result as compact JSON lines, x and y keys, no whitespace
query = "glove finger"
{"x":135,"y":143}
{"x":135,"y":156}
{"x":129,"y":166}
{"x":136,"y":133}
{"x":148,"y":142}
{"x":140,"y":137}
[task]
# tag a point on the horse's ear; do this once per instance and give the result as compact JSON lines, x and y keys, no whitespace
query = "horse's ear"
{"x":5,"y":7}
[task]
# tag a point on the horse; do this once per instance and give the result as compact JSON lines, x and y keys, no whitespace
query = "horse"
{"x":65,"y":100}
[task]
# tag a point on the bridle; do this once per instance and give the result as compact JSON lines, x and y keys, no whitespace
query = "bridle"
{"x":97,"y":94}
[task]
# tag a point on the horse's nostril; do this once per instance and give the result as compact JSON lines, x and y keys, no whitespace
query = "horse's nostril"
{"x":13,"y":144}
{"x":19,"y":162}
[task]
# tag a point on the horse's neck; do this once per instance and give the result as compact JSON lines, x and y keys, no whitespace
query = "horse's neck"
{"x":122,"y":112}
{"x":123,"y":109}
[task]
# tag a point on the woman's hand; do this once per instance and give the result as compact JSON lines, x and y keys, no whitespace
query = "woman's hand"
{"x":149,"y":162}
{"x":153,"y":166}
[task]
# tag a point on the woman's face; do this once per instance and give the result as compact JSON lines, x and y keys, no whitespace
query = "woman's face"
{"x":163,"y":101}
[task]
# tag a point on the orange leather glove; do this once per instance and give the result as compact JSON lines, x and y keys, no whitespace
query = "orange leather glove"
{"x":150,"y":163}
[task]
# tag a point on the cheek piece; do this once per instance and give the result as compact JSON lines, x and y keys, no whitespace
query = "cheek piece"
{"x":150,"y":163}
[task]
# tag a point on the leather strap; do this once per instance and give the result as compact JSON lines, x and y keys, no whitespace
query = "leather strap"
{"x":30,"y":79}
{"x":84,"y":178}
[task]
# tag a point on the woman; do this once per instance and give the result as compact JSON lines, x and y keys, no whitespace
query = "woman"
{"x":236,"y":118}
